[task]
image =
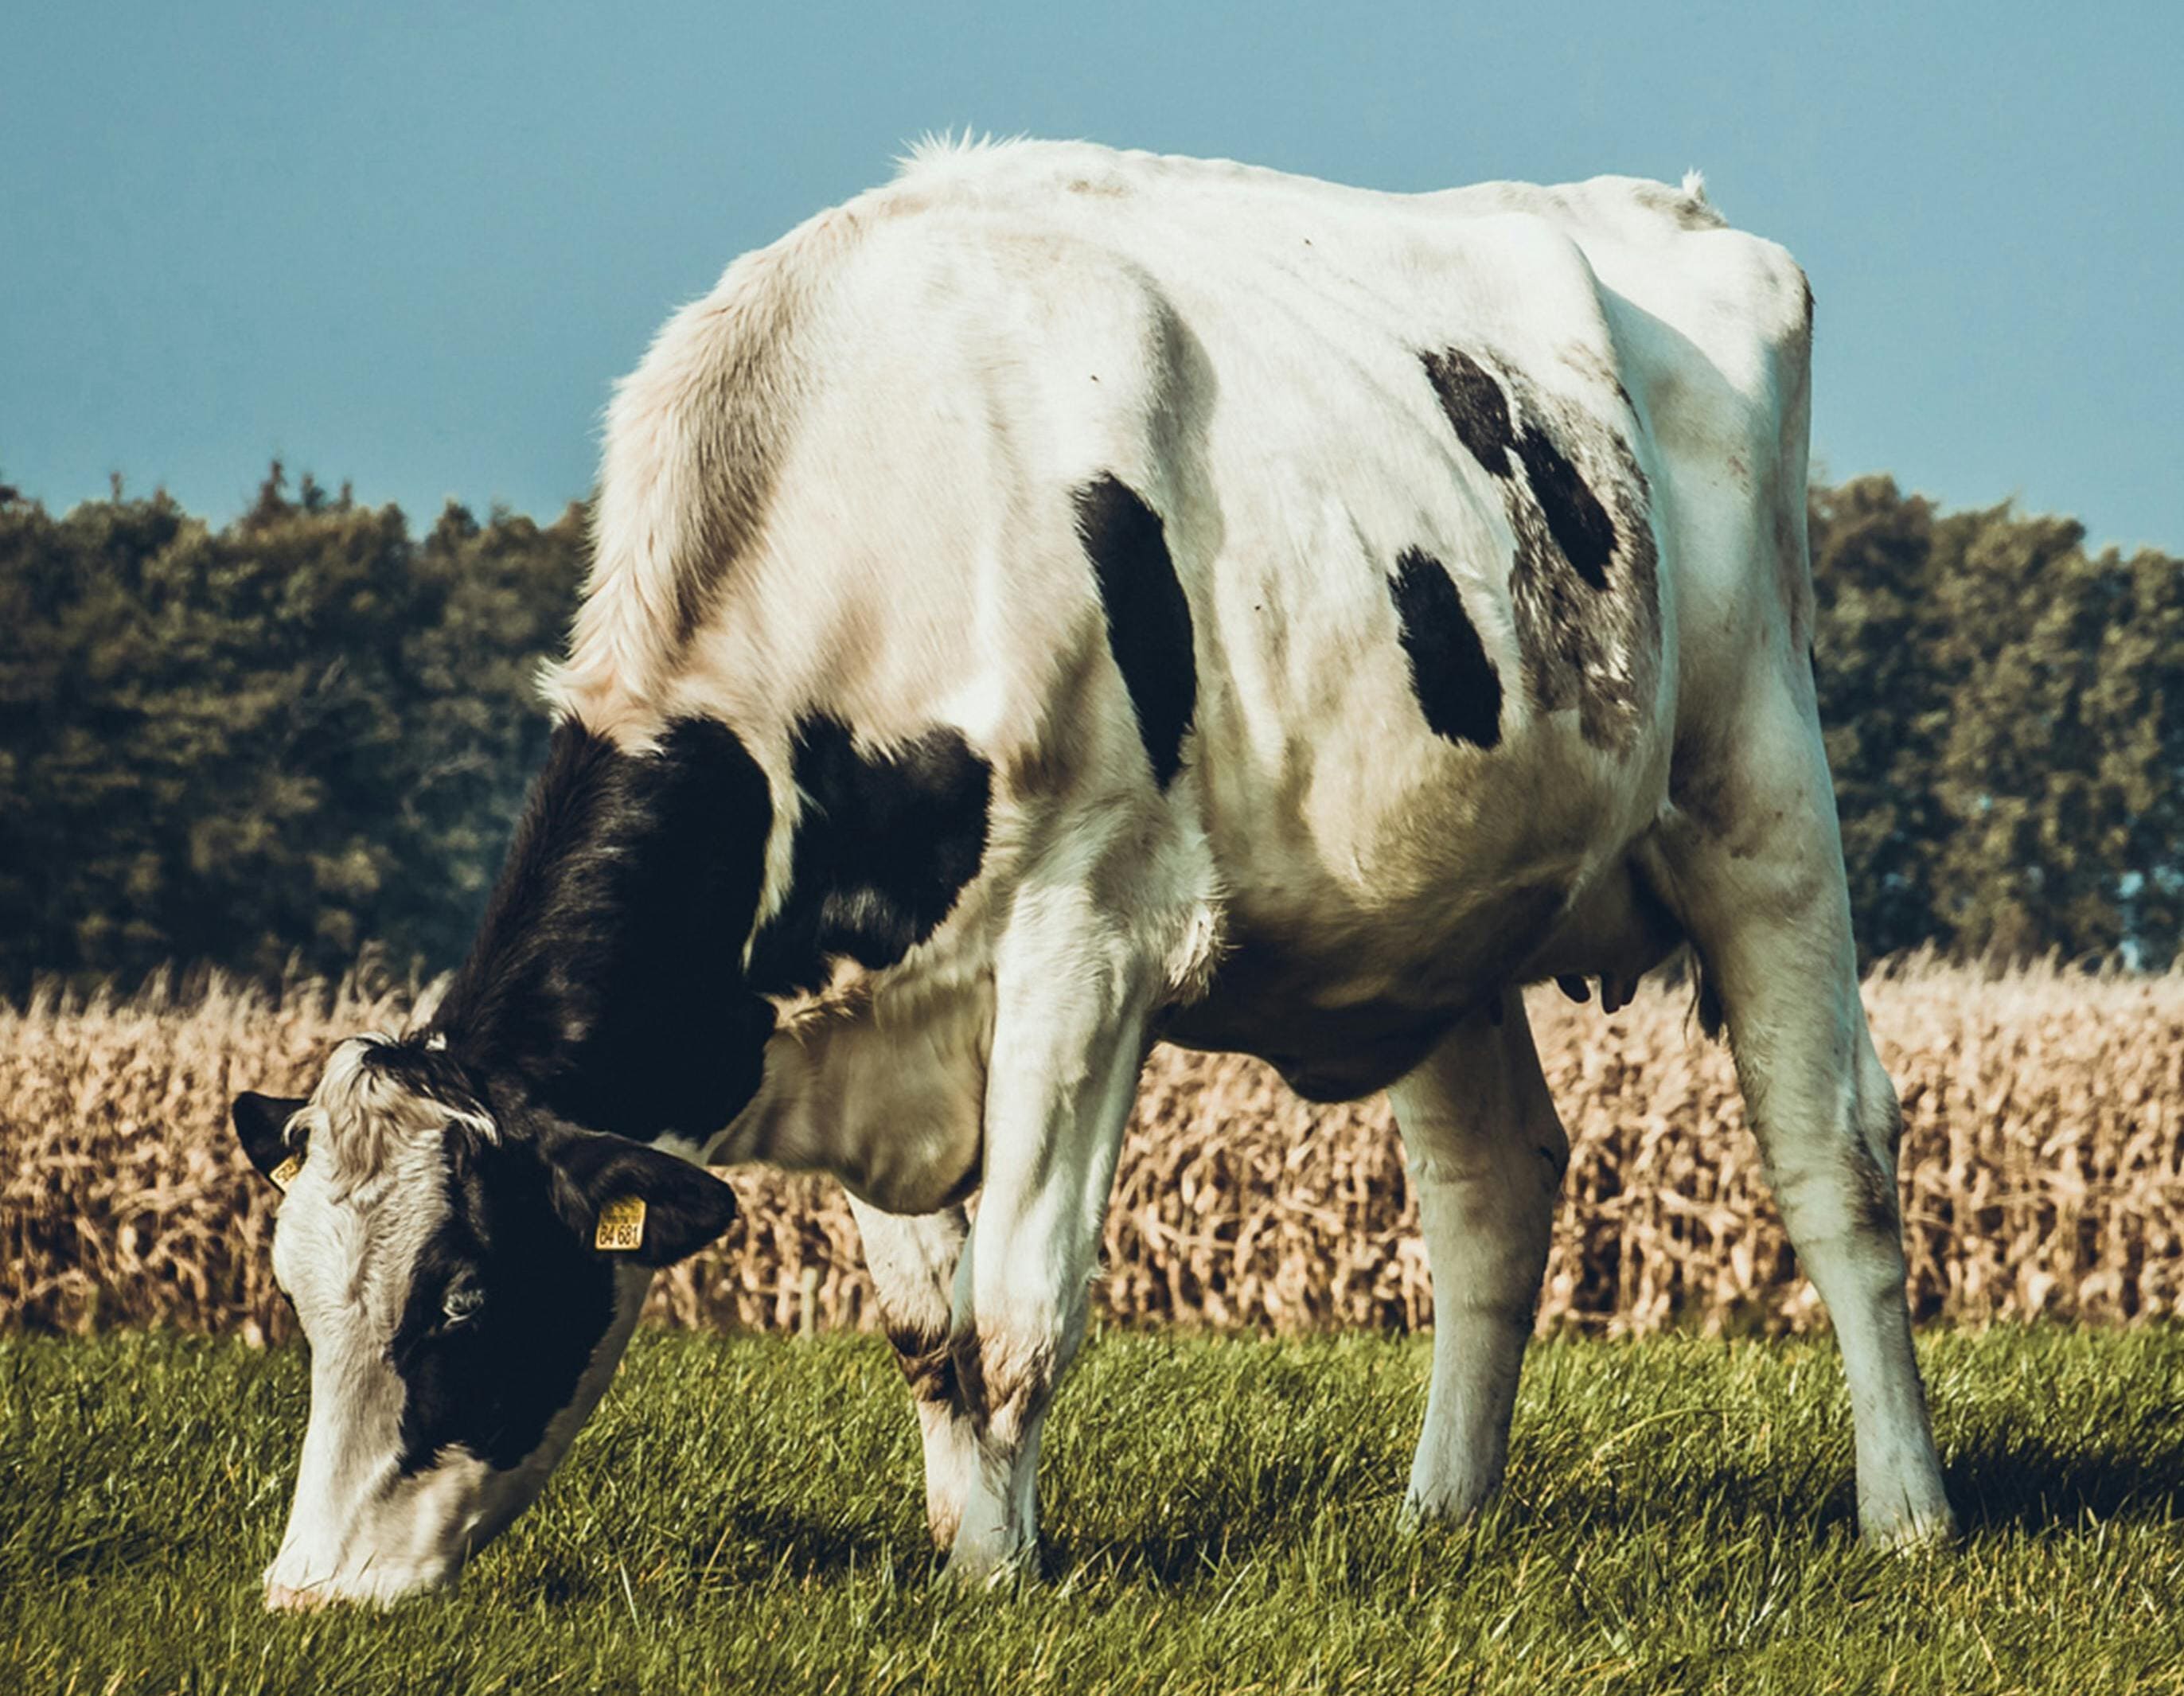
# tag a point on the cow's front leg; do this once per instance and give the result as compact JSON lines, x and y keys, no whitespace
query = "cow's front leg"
{"x":912,"y":1260}
{"x":1059,"y":1093}
{"x":1487,"y":1152}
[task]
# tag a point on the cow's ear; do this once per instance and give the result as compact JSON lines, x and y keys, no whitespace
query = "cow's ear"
{"x":261,"y":1126}
{"x":624,"y":1197}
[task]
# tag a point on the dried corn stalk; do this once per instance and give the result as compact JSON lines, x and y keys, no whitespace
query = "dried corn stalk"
{"x":2042,"y":1172}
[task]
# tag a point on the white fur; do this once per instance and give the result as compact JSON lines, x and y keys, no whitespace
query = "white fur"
{"x":369,"y":1196}
{"x":913,"y":1262}
{"x":1487,"y":1153}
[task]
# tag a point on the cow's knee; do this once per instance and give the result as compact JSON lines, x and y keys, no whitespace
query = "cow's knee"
{"x":927,"y":1362}
{"x":1005,"y":1378}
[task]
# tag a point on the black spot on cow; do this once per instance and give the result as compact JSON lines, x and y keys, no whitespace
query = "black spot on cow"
{"x":509,"y":1298}
{"x":1149,"y":628}
{"x":928,"y":1359}
{"x":1575,"y":518}
{"x":1583,"y":571}
{"x":506,"y":1305}
{"x":601,"y":1007}
{"x":604,"y":984}
{"x":1475,"y":406}
{"x":886,"y":842}
{"x":1457,"y":686}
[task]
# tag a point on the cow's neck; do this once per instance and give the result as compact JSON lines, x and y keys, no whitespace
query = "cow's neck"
{"x":605,"y":983}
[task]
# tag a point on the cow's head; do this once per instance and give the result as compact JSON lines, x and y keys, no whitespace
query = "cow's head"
{"x":443,"y":1251}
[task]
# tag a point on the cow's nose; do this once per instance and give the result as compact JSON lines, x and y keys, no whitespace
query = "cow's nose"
{"x":280,"y":1598}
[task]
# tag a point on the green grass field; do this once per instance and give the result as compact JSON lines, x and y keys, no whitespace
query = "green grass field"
{"x":1220,"y":1516}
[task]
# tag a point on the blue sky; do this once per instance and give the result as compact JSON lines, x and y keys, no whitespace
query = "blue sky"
{"x":414,"y":245}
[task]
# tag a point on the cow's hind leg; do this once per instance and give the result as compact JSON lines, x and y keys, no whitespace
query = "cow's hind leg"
{"x":912,"y":1260}
{"x":1487,"y":1153}
{"x":1069,"y":1036}
{"x":1753,"y":862}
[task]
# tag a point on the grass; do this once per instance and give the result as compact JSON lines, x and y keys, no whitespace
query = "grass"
{"x":1220,"y":1516}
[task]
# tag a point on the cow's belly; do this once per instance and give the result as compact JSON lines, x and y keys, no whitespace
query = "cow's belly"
{"x":1399,"y":887}
{"x":1301,"y":1001}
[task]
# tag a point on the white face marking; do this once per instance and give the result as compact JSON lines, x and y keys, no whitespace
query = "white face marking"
{"x":354,"y":1236}
{"x":345,"y":1250}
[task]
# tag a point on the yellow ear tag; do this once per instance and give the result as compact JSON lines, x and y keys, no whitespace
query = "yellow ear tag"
{"x":621,"y":1224}
{"x":285,"y":1174}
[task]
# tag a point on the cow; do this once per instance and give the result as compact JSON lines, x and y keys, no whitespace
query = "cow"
{"x":1063,"y":600}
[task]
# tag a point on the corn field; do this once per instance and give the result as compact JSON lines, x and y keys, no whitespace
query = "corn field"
{"x":2042,"y":1172}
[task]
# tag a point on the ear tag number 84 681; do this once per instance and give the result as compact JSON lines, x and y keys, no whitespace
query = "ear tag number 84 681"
{"x":620,"y":1225}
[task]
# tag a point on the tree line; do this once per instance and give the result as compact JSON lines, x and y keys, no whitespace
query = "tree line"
{"x":266,"y":744}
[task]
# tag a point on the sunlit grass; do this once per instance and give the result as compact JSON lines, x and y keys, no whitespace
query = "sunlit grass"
{"x":1220,"y":1515}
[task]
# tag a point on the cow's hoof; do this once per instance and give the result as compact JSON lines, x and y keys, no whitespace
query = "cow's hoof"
{"x":1906,"y":1532}
{"x":982,"y":1570}
{"x":1456,"y":1506}
{"x":1418,"y":1518}
{"x":282,"y":1599}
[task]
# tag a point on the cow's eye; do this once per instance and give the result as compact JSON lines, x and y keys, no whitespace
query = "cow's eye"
{"x":462,"y":1304}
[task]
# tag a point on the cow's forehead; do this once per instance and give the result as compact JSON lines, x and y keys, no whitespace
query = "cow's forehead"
{"x":380,"y":1103}
{"x":348,"y":1249}
{"x":373,"y":1194}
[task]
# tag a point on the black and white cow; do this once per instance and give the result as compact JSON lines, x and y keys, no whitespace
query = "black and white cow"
{"x":1063,"y":600}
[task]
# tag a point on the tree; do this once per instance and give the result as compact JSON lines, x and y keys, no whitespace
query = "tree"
{"x":311,"y":729}
{"x":2005,"y":717}
{"x":286,"y":738}
{"x":1884,"y":703}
